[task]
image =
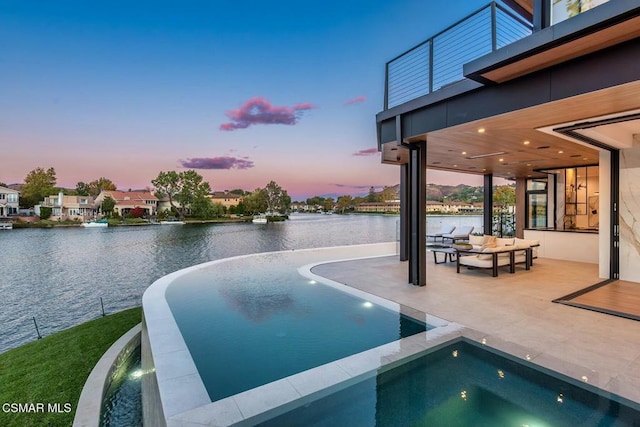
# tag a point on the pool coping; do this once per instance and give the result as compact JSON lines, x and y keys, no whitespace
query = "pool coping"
{"x":91,"y":398}
{"x":183,"y":396}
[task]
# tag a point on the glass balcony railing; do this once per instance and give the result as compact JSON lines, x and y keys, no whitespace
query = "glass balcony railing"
{"x":438,"y":61}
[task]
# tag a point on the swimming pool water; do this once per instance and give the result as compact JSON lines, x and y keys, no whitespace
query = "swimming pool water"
{"x":122,"y":404}
{"x":247,"y":323}
{"x":463,"y":385}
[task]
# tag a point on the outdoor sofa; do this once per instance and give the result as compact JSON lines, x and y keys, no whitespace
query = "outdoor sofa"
{"x":494,"y":252}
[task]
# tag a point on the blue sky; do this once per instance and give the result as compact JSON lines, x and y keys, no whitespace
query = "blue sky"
{"x":246,"y":92}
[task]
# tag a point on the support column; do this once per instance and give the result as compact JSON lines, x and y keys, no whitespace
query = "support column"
{"x":404,"y":212}
{"x":488,"y":204}
{"x":418,"y":227}
{"x":405,"y":198}
{"x":521,"y":209}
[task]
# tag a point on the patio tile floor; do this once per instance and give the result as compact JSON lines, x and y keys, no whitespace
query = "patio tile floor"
{"x":516,"y":309}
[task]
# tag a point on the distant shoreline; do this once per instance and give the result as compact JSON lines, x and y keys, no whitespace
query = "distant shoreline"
{"x":22,"y":225}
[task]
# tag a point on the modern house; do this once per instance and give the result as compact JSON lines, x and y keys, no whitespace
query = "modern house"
{"x":64,"y":207}
{"x":545,"y":93}
{"x":9,"y":201}
{"x":126,"y":201}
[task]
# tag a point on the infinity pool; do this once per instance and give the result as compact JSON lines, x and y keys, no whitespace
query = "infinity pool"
{"x":463,"y":385}
{"x":251,"y":321}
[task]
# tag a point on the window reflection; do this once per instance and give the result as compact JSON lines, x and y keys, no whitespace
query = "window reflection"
{"x":565,"y":9}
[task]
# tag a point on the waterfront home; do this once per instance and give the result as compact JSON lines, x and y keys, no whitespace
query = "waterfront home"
{"x":391,"y":206}
{"x":433,"y":206}
{"x":304,"y":207}
{"x":9,"y":201}
{"x":64,"y":207}
{"x":545,"y":94}
{"x":126,"y":201}
{"x":225,"y":198}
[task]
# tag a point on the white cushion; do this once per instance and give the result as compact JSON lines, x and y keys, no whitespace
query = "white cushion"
{"x":476,"y":240}
{"x":527,"y":242}
{"x":505,"y":241}
{"x":476,"y":261}
{"x":491,"y":250}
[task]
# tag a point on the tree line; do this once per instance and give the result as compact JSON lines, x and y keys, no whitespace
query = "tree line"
{"x":186,"y":191}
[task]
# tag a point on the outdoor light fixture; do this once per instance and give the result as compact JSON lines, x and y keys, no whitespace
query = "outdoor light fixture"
{"x":481,"y":130}
{"x":527,"y":142}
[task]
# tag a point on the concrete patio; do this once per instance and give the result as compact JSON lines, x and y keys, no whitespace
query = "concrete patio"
{"x":515,"y":313}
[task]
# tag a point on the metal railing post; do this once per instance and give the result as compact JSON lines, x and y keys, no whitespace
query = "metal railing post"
{"x":386,"y":86}
{"x":431,"y":65}
{"x":37,"y":330}
{"x":494,"y":30}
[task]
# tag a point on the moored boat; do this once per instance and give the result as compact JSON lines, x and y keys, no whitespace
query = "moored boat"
{"x":96,"y":223}
{"x":260,"y":219}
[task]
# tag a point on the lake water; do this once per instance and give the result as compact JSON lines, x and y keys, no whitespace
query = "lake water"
{"x":58,"y":275}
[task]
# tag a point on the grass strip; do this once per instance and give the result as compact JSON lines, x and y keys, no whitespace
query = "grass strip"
{"x":53,"y":370}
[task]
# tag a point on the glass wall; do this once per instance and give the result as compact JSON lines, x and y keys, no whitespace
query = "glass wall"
{"x":581,"y":198}
{"x":537,"y":203}
{"x":565,"y":9}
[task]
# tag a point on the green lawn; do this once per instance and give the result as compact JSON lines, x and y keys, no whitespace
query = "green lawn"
{"x":53,"y":370}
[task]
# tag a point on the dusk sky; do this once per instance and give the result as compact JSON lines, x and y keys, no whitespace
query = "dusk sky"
{"x":242,"y":92}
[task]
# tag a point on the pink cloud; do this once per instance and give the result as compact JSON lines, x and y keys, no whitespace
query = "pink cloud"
{"x":355,"y":100}
{"x":259,"y":111}
{"x":222,"y":162}
{"x":366,"y":152}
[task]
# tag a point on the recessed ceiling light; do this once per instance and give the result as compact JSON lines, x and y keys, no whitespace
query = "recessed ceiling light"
{"x":560,"y":152}
{"x":481,"y":130}
{"x":527,"y":142}
{"x":455,"y":166}
{"x":584,"y":158}
{"x":484,"y":170}
{"x":464,"y":153}
{"x":528,"y":164}
{"x":501,"y":160}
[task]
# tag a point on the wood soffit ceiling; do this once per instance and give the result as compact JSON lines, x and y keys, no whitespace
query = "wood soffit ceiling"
{"x":602,"y":39}
{"x":526,"y":5}
{"x":508,"y":132}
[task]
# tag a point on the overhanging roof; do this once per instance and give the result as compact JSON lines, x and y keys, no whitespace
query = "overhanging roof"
{"x":501,"y":149}
{"x":599,"y":28}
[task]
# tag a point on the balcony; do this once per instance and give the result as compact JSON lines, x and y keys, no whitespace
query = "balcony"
{"x":438,"y":61}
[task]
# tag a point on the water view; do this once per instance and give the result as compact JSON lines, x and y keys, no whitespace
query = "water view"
{"x":59,"y":275}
